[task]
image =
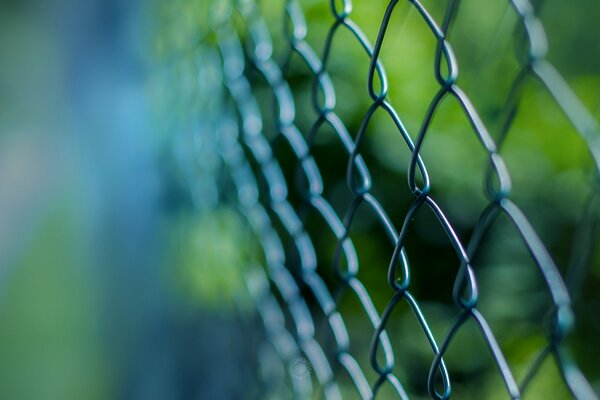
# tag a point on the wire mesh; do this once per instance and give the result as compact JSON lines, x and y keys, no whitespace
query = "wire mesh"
{"x":295,"y":300}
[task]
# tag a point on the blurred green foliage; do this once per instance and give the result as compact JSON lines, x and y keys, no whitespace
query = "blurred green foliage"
{"x":210,"y":257}
{"x":51,"y":338}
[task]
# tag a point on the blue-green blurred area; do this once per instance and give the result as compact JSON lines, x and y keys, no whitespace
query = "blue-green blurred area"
{"x":124,"y":257}
{"x":92,"y":301}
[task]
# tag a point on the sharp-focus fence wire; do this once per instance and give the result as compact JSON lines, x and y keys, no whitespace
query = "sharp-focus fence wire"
{"x":295,"y":301}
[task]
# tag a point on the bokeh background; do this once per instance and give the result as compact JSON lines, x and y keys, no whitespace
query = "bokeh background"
{"x":122,"y":252}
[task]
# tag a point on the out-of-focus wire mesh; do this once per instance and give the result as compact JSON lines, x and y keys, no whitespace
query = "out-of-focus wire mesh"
{"x":273,"y":138}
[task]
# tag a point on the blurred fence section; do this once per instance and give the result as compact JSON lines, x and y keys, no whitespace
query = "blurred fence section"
{"x":410,"y":232}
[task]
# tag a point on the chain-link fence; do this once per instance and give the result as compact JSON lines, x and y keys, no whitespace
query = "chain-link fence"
{"x":256,"y":148}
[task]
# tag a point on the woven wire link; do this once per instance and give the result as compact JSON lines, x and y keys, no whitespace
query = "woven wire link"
{"x":281,"y":290}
